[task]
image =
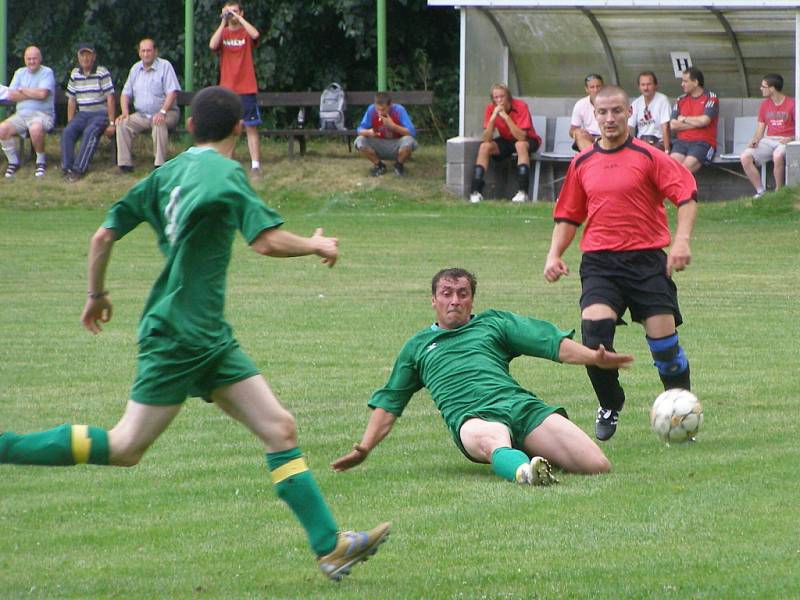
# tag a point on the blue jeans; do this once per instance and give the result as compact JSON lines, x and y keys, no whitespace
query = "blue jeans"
{"x":90,"y":125}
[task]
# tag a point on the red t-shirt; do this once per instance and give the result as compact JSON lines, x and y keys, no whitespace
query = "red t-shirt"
{"x":519,"y":114}
{"x":707,"y":104}
{"x":236,"y":69}
{"x":779,"y":118}
{"x":620,"y":193}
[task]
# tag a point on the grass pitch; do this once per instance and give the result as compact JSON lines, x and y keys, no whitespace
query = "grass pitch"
{"x":198,"y":518}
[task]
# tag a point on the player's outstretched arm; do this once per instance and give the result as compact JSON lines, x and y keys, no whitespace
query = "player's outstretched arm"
{"x":378,"y":427}
{"x":98,"y":307}
{"x":577,"y":354}
{"x":279,"y":243}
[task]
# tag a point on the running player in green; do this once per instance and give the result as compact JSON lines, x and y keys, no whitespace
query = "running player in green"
{"x":195,"y":203}
{"x":463,"y":360}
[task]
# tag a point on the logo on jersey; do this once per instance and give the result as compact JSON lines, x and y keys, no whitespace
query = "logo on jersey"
{"x":431,"y":347}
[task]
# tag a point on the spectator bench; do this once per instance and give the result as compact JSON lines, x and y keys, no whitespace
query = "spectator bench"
{"x":300,"y":100}
{"x":305,"y":100}
{"x":720,"y":180}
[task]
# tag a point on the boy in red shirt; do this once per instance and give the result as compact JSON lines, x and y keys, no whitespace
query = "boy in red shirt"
{"x":776,"y":119}
{"x":511,"y":119}
{"x":234,"y":41}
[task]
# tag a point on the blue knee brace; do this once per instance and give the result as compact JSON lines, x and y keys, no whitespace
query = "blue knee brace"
{"x":668,"y":356}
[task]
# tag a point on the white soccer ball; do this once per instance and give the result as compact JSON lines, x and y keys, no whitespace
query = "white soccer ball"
{"x":676,"y":416}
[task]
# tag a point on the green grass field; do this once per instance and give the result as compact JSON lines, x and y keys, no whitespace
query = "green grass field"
{"x":198,"y":518}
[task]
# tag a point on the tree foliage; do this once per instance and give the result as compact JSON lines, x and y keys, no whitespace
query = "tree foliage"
{"x":303,"y":46}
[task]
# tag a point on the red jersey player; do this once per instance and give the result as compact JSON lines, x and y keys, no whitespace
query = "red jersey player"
{"x":616,"y":189}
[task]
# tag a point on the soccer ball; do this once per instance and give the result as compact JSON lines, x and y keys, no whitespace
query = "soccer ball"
{"x":676,"y":416}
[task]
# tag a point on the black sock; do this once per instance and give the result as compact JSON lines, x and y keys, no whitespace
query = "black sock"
{"x":477,"y":178}
{"x":523,"y":177}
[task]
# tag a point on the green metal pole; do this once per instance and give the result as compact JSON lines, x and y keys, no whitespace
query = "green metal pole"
{"x":188,"y":56}
{"x":382,"y":45}
{"x":188,"y":52}
{"x":3,"y":47}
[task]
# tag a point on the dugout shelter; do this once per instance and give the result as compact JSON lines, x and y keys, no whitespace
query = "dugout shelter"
{"x":543,"y":49}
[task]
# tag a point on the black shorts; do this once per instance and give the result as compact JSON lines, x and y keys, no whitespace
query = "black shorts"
{"x":702,"y":151}
{"x":635,"y":280}
{"x":508,"y":147}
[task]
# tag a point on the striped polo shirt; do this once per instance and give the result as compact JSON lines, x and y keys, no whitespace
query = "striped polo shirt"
{"x":90,"y":91}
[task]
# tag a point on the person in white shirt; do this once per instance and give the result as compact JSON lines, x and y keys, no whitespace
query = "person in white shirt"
{"x":583,"y":126}
{"x":650,"y":113}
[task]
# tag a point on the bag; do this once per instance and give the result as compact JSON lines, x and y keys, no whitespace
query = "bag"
{"x":331,"y":108}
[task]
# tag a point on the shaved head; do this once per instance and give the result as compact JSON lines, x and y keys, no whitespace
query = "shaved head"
{"x":610,"y":91}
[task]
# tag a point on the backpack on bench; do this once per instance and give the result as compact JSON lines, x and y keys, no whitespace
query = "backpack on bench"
{"x":332,"y":105}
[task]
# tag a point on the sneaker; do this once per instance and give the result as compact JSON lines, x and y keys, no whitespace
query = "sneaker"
{"x":352,"y":547}
{"x":378,"y":170}
{"x":125,"y":169}
{"x":41,"y":169}
{"x":11,"y":170}
{"x":605,"y":425}
{"x":475,"y":197}
{"x":256,"y":174}
{"x":758,"y":195}
{"x":537,"y":472}
{"x":520,"y":196}
{"x":72,"y":176}
{"x":399,"y":169}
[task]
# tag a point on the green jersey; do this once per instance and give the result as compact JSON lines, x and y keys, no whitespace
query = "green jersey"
{"x":195,"y":203}
{"x":466,"y":369}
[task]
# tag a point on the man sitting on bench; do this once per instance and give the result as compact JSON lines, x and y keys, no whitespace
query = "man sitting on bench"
{"x":512,"y":120}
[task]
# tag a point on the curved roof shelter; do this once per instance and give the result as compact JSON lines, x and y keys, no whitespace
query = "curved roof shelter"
{"x":546,"y":48}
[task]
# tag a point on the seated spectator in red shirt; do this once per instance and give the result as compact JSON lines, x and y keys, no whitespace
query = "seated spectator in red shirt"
{"x":694,"y":122}
{"x":511,"y":120}
{"x":776,"y":119}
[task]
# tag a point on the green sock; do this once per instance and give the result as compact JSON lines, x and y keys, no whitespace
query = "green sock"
{"x":295,"y":485}
{"x":62,"y":446}
{"x":506,"y":461}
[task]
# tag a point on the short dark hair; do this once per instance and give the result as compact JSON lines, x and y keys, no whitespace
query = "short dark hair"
{"x":215,"y":112}
{"x":591,"y":76}
{"x":608,"y":91}
{"x":647,"y":74}
{"x":774,"y":80}
{"x":695,"y":74}
{"x":454,"y":273}
{"x":383,"y":98}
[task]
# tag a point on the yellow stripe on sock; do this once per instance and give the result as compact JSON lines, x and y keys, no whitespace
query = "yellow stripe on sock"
{"x":293,"y":467}
{"x":81,"y":444}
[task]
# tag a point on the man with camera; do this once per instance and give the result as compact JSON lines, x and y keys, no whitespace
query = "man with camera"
{"x":234,"y":41}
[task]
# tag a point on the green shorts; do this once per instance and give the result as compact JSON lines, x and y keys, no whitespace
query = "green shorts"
{"x":521,"y":414}
{"x":168,"y":371}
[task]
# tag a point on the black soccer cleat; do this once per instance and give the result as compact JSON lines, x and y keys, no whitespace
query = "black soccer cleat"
{"x":605,"y":425}
{"x":378,"y":170}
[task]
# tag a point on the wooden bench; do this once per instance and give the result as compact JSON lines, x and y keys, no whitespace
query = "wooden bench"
{"x":300,"y":100}
{"x":305,"y":100}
